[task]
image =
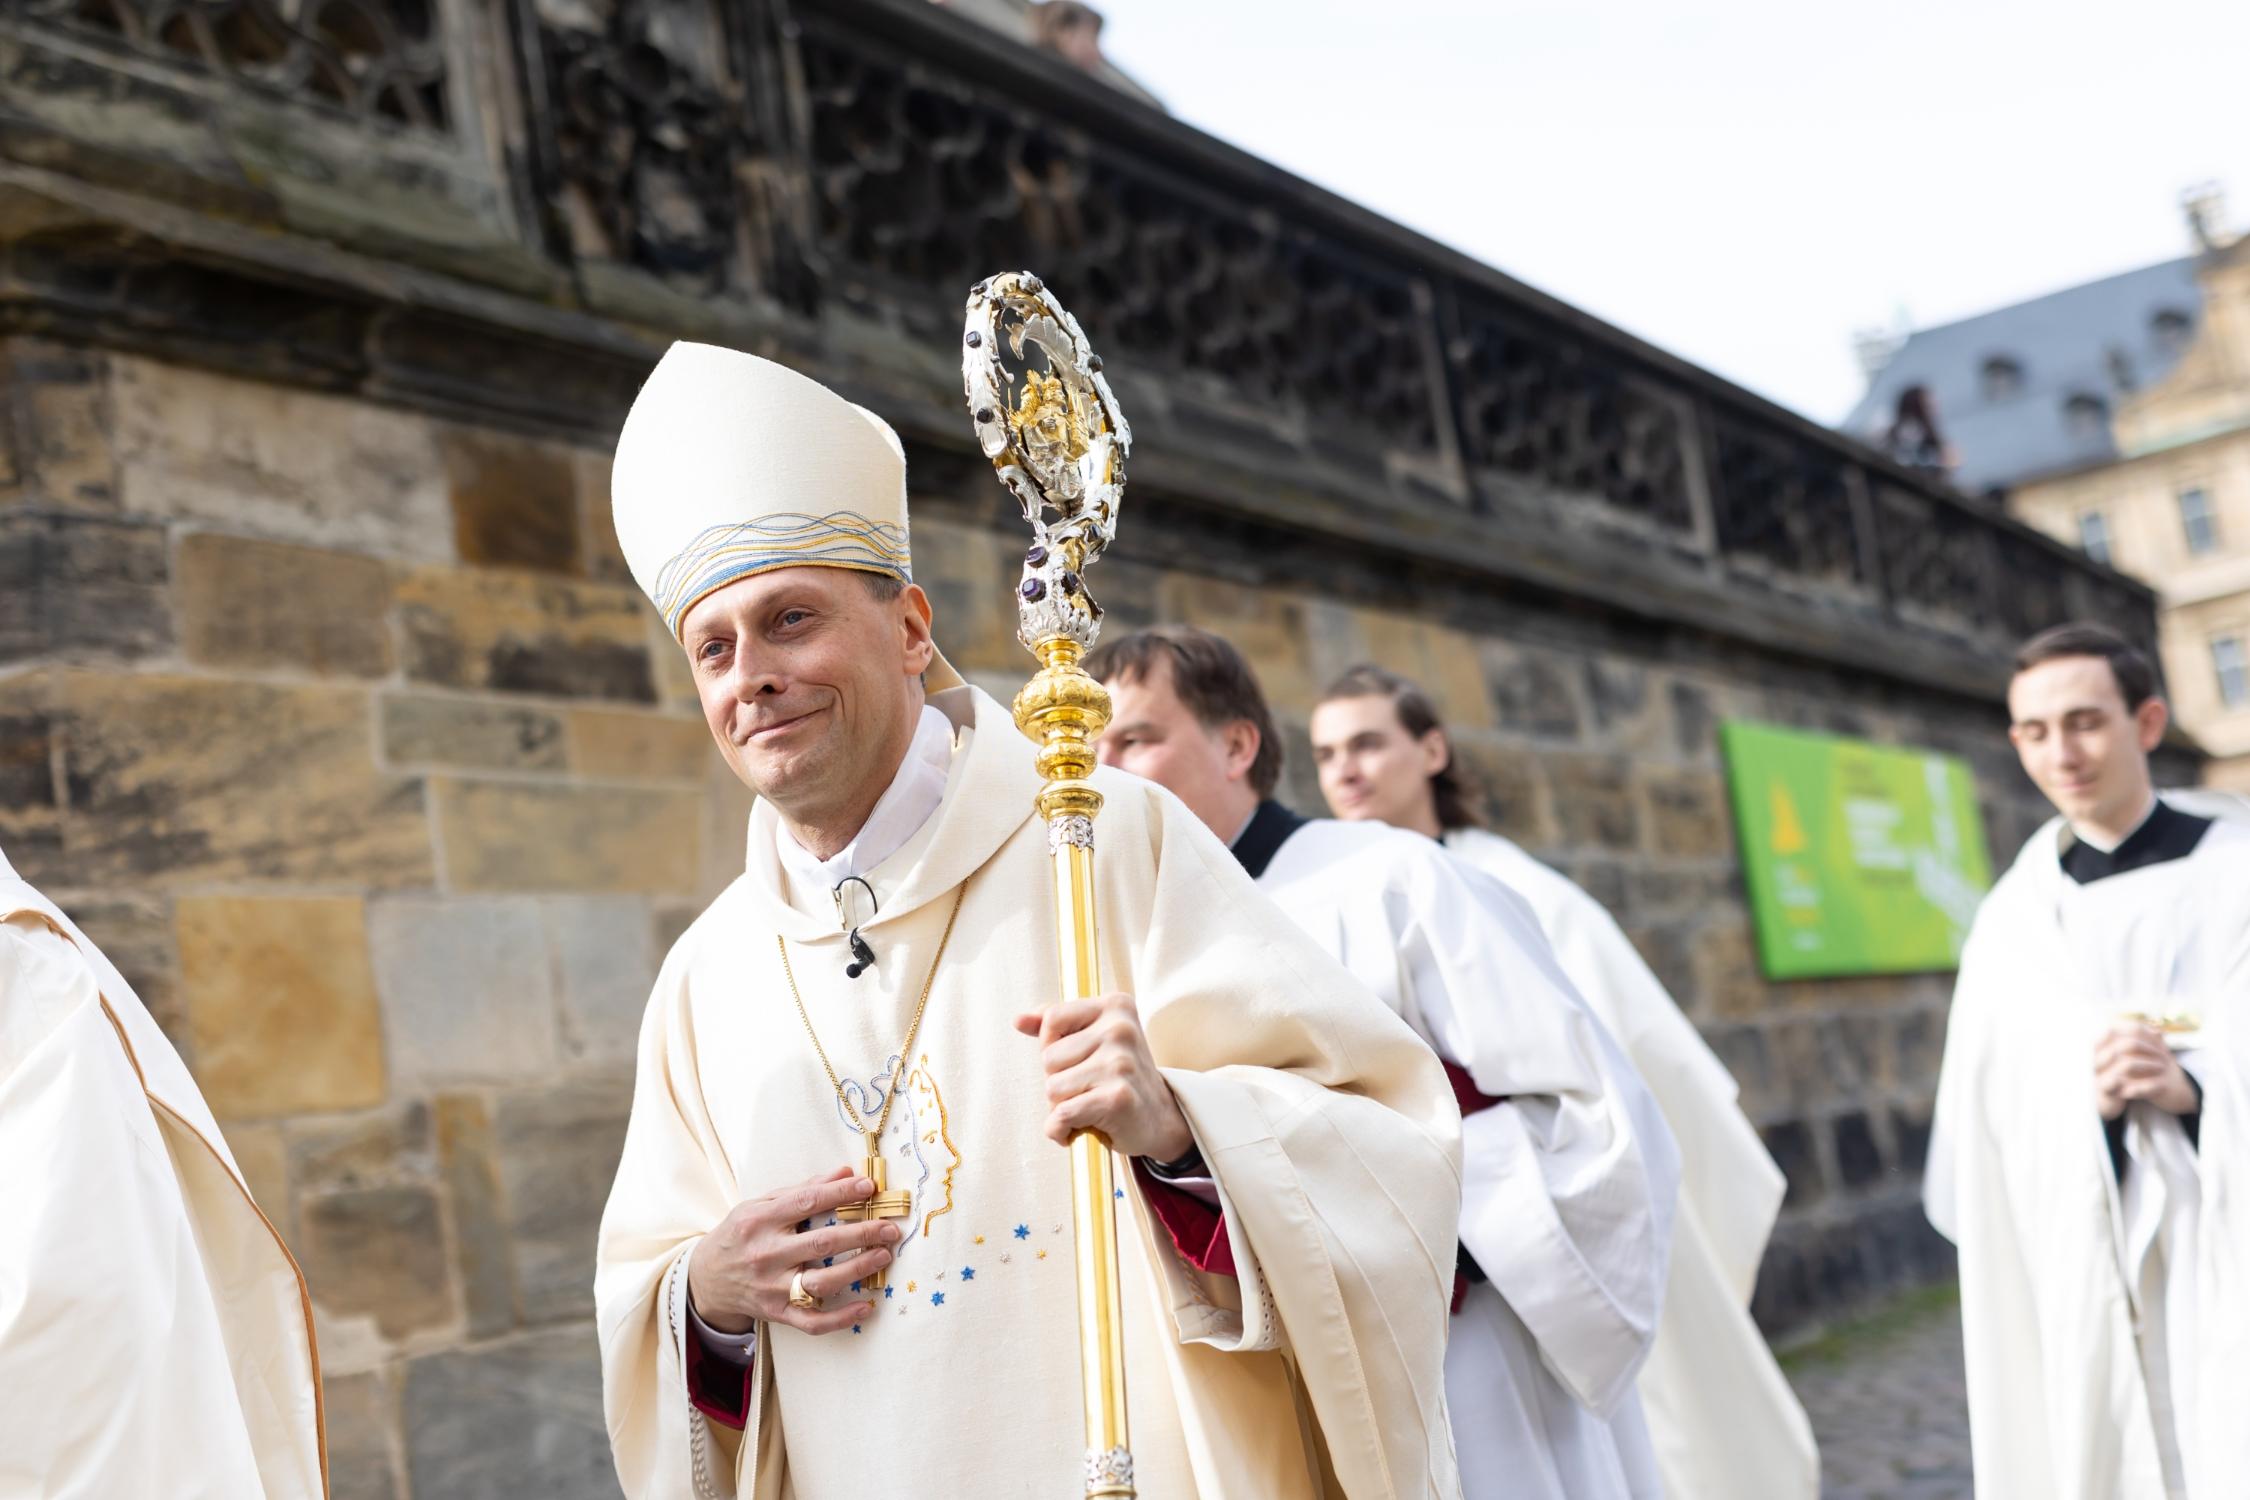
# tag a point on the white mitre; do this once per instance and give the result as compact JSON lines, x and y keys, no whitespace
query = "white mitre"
{"x":731,"y":465}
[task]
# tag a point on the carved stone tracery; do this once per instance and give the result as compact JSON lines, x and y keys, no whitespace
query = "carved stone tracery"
{"x":647,"y":136}
{"x":1538,"y":404}
{"x":1783,"y":505}
{"x":919,"y":180}
{"x":374,"y":59}
{"x":1937,"y":561}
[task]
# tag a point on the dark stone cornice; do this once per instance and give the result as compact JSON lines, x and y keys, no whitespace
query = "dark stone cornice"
{"x":517,"y":243}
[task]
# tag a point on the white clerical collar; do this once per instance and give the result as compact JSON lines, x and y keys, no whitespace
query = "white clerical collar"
{"x":898,"y":815}
{"x":2111,"y":846}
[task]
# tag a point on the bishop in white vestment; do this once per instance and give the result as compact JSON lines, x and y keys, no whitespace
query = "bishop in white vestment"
{"x":155,"y":1336}
{"x":880,"y":982}
{"x":1721,"y":1414}
{"x":1570,"y":1171}
{"x":2090,"y":1155}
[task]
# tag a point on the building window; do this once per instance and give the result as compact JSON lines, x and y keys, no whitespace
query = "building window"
{"x":2086,"y":416}
{"x":2001,"y":378}
{"x":2196,"y":520}
{"x":2170,"y":328}
{"x":2093,"y":535}
{"x":2233,"y":664}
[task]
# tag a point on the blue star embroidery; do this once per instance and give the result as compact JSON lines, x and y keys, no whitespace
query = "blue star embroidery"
{"x":855,"y":1328}
{"x":1023,"y":1231}
{"x":1120,"y":1193}
{"x":937,"y":1299}
{"x":828,"y":1260}
{"x":855,"y":1286}
{"x":889,"y":1290}
{"x":968,"y":1273}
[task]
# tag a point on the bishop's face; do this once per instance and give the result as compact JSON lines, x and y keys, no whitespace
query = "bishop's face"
{"x":811,"y":686}
{"x":2081,"y":745}
{"x":1370,"y":767}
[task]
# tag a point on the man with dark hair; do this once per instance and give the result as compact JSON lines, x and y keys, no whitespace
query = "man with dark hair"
{"x":2135,"y":675}
{"x":1721,"y":1414}
{"x":1569,"y":1172}
{"x":2092,"y":1135}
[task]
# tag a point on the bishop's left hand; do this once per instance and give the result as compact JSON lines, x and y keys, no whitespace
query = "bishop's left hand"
{"x":1101,"y":1076}
{"x":2133,"y":1061}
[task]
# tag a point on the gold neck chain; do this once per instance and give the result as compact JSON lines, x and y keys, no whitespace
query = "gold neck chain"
{"x":906,"y":1049}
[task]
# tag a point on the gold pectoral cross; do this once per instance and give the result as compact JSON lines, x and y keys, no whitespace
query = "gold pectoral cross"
{"x":886,"y":1204}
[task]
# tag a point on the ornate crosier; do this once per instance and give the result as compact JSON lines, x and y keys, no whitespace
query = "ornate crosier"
{"x":1060,"y":447}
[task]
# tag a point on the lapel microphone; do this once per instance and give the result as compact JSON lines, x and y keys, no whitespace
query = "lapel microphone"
{"x":863,"y":957}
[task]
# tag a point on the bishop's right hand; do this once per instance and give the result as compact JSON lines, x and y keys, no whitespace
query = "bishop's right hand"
{"x":740,"y":1272}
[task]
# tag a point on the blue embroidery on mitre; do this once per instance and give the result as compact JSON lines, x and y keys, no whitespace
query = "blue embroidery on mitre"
{"x":737,"y":549}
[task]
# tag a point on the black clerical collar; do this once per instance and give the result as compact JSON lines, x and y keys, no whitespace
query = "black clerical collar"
{"x":2165,"y":834}
{"x":1262,"y":837}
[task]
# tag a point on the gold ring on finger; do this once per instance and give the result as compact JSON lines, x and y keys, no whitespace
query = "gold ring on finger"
{"x":798,"y":1296}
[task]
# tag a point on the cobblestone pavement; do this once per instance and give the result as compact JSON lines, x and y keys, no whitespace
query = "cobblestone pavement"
{"x":1889,"y":1405}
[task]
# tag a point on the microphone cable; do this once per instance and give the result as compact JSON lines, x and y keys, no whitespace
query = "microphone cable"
{"x":863,"y":957}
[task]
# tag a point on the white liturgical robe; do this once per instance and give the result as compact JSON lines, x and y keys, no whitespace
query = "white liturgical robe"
{"x":1569,"y":1182}
{"x":2105,"y":1305}
{"x":155,"y":1337}
{"x":1720,"y":1412}
{"x":1326,"y":1126}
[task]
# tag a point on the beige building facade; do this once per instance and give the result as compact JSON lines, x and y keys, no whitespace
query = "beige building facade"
{"x":2174,"y":510}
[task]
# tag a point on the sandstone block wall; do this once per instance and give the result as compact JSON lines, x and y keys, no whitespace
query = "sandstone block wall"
{"x":345,"y":733}
{"x":346,"y":736}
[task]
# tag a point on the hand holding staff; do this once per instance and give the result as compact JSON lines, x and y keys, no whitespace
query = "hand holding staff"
{"x":1060,"y":446}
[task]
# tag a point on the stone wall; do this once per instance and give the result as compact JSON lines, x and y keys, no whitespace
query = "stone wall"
{"x":341,"y":728}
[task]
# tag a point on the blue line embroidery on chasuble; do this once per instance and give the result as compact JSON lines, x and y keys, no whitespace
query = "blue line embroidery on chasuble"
{"x":918,"y":1133}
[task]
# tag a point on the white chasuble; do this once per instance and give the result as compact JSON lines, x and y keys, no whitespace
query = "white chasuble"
{"x":2106,"y":1323}
{"x":155,"y":1337}
{"x":1326,"y":1124}
{"x":1569,"y":1183}
{"x":1720,"y":1412}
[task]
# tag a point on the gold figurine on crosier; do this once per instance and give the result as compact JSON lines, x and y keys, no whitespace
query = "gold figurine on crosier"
{"x":1059,"y":446}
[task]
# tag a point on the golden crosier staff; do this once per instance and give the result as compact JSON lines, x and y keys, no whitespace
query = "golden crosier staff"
{"x":1060,"y":446}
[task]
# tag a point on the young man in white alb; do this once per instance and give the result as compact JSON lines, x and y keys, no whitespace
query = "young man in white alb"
{"x":1721,"y":1414}
{"x":2089,"y":1154}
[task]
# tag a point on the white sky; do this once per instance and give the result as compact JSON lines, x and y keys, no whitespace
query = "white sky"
{"x":1743,"y":183}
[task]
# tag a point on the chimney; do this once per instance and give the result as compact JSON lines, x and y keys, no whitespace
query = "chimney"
{"x":2205,"y":204}
{"x":1875,"y":348}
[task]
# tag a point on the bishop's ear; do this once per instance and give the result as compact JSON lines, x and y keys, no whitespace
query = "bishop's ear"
{"x":914,"y":625}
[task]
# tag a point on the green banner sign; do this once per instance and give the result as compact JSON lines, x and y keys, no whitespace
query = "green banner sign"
{"x":1860,"y":858}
